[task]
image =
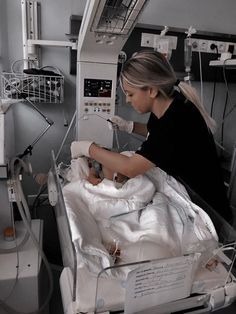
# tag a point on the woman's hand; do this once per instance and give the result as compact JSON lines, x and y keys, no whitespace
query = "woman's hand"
{"x":80,"y":148}
{"x":122,"y":124}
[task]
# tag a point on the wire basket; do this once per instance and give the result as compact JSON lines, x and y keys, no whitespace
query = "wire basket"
{"x":37,"y":88}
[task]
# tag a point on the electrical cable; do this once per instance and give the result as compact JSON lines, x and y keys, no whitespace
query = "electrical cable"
{"x":107,"y":120}
{"x":201,"y":79}
{"x":34,"y":62}
{"x":66,"y":135}
{"x":233,"y":174}
{"x":33,"y":81}
{"x":229,"y":95}
{"x":117,"y":140}
{"x":223,"y":117}
{"x":213,"y":46}
{"x":213,"y":98}
{"x":226,"y":247}
{"x":35,"y":205}
{"x":33,"y":87}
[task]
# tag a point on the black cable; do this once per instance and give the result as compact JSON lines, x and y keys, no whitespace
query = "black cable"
{"x":36,"y":202}
{"x":233,"y":106}
{"x":213,"y":46}
{"x":213,"y":96}
{"x":223,"y":116}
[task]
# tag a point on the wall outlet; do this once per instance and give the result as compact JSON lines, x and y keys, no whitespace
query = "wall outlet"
{"x":157,"y":41}
{"x":147,"y":40}
{"x":221,"y":47}
{"x":205,"y":45}
{"x":202,"y":45}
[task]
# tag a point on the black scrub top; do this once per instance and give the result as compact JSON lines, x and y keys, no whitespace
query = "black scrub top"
{"x":181,"y":144}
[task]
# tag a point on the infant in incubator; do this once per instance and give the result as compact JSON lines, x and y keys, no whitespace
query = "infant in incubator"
{"x":97,"y":172}
{"x":136,"y":219}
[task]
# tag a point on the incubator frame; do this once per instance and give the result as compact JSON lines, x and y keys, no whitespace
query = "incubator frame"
{"x":201,"y":303}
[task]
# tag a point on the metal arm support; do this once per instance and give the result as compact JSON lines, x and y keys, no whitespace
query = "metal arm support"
{"x":28,"y":150}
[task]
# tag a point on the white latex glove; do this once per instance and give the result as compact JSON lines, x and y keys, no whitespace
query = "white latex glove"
{"x":122,"y":124}
{"x":80,"y":148}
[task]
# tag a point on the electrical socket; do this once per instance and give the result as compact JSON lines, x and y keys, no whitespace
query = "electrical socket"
{"x":147,"y":40}
{"x":195,"y":45}
{"x":221,"y":47}
{"x":200,"y":45}
{"x":155,"y":41}
{"x":209,"y":46}
{"x":204,"y":45}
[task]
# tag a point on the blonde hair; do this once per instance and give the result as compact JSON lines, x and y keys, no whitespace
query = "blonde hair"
{"x":151,"y":68}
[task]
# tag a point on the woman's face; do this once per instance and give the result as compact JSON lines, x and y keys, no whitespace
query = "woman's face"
{"x":141,"y":100}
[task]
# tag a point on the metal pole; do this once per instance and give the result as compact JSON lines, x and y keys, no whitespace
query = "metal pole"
{"x":24,"y":32}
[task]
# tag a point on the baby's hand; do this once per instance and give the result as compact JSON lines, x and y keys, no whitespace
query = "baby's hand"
{"x":212,"y":264}
{"x":93,"y":180}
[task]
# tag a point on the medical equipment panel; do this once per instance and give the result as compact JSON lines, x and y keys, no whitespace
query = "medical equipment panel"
{"x":96,"y":89}
{"x":104,"y":30}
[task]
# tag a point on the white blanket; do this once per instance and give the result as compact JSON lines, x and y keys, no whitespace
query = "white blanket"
{"x":160,"y":220}
{"x":150,"y":217}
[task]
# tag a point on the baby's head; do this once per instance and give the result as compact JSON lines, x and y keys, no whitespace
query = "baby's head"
{"x":102,"y":172}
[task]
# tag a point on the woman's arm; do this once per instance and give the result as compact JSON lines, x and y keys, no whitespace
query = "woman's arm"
{"x":140,"y":128}
{"x":128,"y":166}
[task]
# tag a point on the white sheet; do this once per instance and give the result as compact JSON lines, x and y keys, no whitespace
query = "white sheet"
{"x":169,"y":224}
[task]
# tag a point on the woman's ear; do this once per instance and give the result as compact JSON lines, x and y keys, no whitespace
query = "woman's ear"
{"x":153,"y":91}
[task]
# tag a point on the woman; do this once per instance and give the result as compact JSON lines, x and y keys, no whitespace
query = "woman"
{"x":179,"y":131}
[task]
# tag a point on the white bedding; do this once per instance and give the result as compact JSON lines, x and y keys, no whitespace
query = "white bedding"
{"x":167,"y":225}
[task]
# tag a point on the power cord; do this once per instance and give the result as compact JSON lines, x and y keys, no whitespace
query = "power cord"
{"x":214,"y":47}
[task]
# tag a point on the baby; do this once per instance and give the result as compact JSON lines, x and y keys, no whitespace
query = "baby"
{"x":97,"y":172}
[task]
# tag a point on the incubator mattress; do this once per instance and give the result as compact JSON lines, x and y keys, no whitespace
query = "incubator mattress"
{"x":149,"y":217}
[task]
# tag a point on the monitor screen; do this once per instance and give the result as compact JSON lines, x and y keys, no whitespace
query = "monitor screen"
{"x":97,"y":88}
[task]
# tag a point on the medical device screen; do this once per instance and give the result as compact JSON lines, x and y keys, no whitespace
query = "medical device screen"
{"x":97,"y":88}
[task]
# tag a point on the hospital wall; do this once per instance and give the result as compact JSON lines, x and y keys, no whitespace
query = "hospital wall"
{"x":55,"y":23}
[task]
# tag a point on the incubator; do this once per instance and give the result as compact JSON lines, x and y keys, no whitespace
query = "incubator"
{"x":151,"y":246}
